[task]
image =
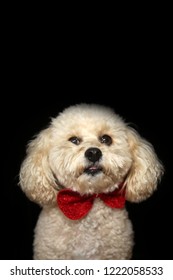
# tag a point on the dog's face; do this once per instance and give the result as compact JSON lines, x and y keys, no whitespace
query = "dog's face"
{"x":90,"y":151}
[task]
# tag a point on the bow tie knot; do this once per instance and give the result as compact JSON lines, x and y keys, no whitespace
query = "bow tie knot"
{"x":75,"y":206}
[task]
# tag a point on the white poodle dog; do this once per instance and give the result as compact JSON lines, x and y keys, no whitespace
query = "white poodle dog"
{"x":81,"y":169}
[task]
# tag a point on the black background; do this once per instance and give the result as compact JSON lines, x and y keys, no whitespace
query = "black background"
{"x":42,"y":76}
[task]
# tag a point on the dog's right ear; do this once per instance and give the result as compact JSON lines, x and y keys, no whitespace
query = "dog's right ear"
{"x":35,"y":177}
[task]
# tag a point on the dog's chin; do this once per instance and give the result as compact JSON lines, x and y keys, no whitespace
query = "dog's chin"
{"x":94,"y":181}
{"x":88,"y":181}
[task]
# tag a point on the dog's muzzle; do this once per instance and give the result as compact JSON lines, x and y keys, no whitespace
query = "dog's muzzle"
{"x":93,"y":155}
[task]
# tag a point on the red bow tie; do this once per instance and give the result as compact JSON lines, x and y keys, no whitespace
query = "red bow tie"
{"x":76,"y":206}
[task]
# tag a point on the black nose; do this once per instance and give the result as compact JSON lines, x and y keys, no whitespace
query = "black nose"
{"x":93,"y":154}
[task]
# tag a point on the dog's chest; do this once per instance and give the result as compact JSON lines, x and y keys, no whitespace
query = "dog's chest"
{"x":103,"y":227}
{"x":98,"y":218}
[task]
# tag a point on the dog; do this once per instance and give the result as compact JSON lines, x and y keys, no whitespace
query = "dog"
{"x":81,"y":169}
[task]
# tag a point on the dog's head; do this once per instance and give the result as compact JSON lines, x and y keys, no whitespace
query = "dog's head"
{"x":89,"y":149}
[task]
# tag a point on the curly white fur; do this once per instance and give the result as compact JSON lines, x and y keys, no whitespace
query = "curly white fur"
{"x":54,"y":162}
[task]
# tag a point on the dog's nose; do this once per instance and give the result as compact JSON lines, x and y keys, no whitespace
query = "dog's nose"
{"x":93,"y":154}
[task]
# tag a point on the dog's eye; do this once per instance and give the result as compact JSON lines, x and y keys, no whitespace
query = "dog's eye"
{"x":106,"y":139}
{"x":75,"y":140}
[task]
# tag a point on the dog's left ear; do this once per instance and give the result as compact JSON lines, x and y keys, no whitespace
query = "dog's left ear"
{"x":146,"y":170}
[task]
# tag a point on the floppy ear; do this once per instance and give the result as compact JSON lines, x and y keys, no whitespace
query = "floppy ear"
{"x":146,"y":170}
{"x":35,"y":177}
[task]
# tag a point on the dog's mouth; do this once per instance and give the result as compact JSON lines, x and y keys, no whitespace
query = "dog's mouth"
{"x":93,"y":170}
